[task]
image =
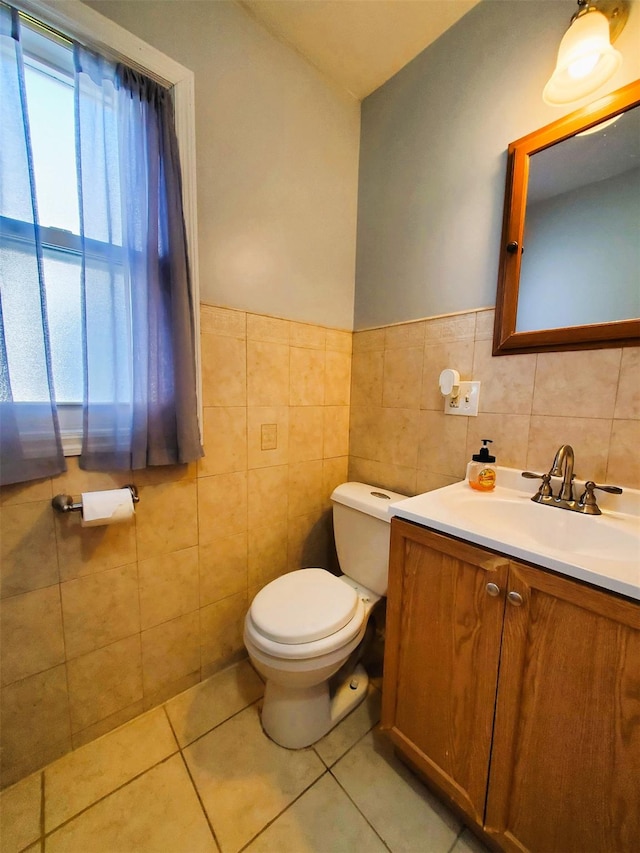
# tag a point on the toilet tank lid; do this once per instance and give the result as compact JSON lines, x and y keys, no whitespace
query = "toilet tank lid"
{"x":371,"y":500}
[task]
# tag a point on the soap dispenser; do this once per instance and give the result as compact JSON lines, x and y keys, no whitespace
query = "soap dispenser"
{"x":482,"y":469}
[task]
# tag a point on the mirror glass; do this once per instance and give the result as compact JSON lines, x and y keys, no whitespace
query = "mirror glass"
{"x":570,"y":254}
{"x":581,"y":244}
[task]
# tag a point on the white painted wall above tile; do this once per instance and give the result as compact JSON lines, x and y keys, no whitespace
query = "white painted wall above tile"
{"x":277,"y":155}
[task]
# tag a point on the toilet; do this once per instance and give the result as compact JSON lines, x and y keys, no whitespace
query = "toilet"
{"x":303,"y":627}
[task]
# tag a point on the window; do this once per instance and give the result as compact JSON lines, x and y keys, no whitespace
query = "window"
{"x":48,"y":65}
{"x":91,"y":275}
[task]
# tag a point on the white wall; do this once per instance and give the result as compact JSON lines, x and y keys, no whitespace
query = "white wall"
{"x":433,"y":156}
{"x":277,"y":150}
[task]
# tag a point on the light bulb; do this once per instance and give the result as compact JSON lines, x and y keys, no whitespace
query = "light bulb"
{"x":583,"y":66}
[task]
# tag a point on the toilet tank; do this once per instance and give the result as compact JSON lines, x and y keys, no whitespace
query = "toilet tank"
{"x":361,"y":530}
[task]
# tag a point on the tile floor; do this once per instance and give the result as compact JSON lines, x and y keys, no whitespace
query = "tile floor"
{"x":198,"y":774}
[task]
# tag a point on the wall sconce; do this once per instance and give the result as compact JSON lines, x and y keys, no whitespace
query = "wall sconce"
{"x":586,"y":59}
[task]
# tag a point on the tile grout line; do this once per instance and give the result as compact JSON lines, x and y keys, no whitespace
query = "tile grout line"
{"x":457,"y":838}
{"x":613,"y":416}
{"x":458,"y":835}
{"x":326,"y":771}
{"x":191,"y":779}
{"x":57,"y":540}
{"x":197,"y":793}
{"x":342,"y":788}
{"x":178,"y":750}
{"x":354,"y":744}
{"x":352,"y":801}
{"x":213,"y":728}
{"x":286,"y":808}
{"x":217,"y":725}
{"x":42,"y":804}
{"x":106,"y":796}
{"x":173,"y":731}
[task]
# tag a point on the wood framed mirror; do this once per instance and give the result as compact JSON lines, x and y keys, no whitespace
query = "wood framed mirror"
{"x":570,"y":254}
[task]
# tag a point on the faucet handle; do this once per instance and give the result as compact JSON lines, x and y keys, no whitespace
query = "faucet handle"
{"x":545,"y":489}
{"x":588,"y":499}
{"x":590,"y":487}
{"x":613,"y":490}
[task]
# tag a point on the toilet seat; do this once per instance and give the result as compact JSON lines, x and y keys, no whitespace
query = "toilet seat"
{"x":304,"y":614}
{"x":303,"y":606}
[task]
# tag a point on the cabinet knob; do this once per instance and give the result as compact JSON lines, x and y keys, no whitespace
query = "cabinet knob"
{"x":493,"y":589}
{"x":514,"y":598}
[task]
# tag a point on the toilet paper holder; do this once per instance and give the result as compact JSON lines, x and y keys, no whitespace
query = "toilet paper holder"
{"x":65,"y":503}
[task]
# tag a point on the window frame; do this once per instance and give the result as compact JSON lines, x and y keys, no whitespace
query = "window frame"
{"x":73,"y":19}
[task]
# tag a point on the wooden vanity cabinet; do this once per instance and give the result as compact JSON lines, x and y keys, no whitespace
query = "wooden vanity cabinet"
{"x":442,"y":651}
{"x":521,"y":700}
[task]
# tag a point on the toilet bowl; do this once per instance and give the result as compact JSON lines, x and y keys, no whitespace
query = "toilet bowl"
{"x":305,"y":626}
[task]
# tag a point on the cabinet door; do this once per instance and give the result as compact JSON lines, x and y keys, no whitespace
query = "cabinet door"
{"x":441,"y":659}
{"x":565,"y":766}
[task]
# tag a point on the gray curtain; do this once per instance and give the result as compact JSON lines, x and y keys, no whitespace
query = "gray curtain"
{"x":140,"y":385}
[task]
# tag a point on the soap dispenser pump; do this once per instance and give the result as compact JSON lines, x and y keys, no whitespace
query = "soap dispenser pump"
{"x":482,"y":469}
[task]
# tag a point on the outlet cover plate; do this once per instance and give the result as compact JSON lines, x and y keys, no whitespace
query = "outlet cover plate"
{"x":269,"y":437}
{"x":466,"y":403}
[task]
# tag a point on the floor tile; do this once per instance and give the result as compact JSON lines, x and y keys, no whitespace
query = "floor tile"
{"x":20,"y":814}
{"x":340,"y":739}
{"x":197,"y":711}
{"x":127,"y":792}
{"x":245,"y":780}
{"x":156,"y":813}
{"x":84,"y":776}
{"x":399,"y":807}
{"x":468,"y":843}
{"x":323,"y":820}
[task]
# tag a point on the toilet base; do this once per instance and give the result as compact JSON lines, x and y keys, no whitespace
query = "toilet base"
{"x":297,"y":717}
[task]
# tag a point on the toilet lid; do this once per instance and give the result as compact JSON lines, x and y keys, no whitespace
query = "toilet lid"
{"x":303,"y":606}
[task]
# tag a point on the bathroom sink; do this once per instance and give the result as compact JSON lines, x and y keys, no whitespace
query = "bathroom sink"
{"x":603,"y":550}
{"x":565,"y":531}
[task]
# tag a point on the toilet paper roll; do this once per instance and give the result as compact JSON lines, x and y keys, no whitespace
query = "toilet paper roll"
{"x":108,"y":507}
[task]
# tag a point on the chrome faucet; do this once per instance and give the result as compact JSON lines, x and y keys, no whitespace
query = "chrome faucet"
{"x":563,"y":467}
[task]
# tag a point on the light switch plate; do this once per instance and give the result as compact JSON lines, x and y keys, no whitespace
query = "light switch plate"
{"x":466,"y":403}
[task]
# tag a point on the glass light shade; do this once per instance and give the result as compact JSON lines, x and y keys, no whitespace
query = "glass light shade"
{"x":586,"y":60}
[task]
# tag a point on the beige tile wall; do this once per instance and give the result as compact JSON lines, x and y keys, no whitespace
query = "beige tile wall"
{"x":99,"y":624}
{"x":529,"y":405}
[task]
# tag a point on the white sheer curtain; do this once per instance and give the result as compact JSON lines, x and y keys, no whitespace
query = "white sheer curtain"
{"x":30,"y":445}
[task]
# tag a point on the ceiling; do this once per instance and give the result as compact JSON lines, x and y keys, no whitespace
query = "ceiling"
{"x":359,"y":44}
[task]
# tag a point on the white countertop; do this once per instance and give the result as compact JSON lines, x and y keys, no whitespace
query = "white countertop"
{"x":602,"y":550}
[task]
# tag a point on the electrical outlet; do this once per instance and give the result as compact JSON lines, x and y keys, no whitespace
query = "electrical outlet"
{"x":466,"y":403}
